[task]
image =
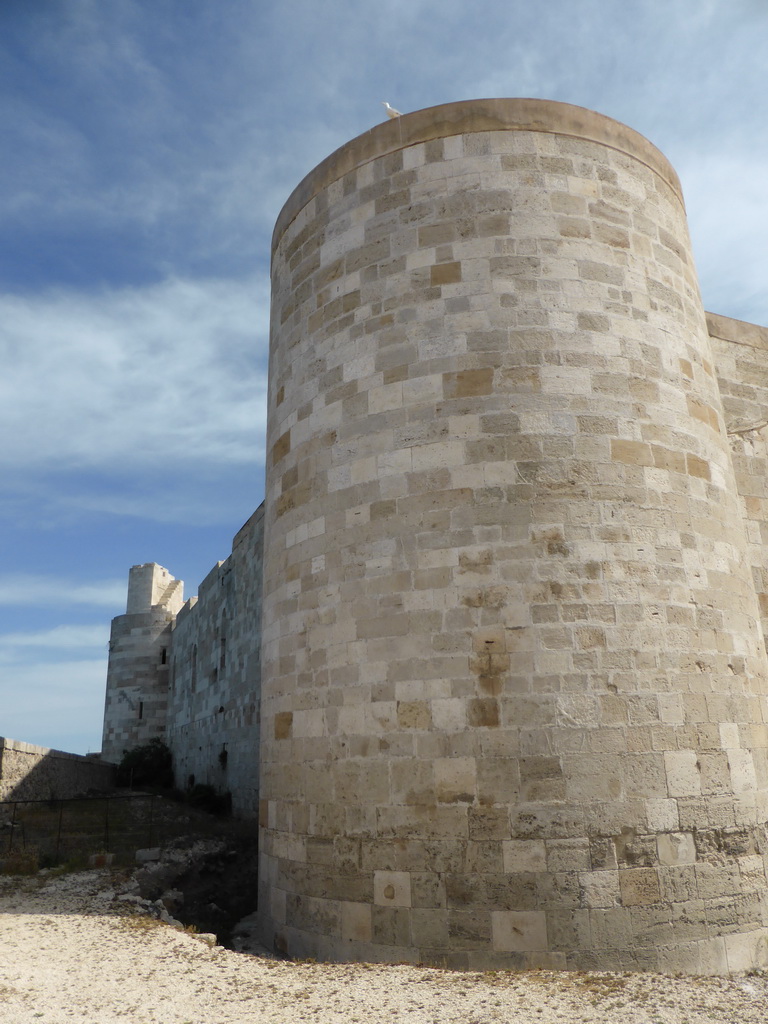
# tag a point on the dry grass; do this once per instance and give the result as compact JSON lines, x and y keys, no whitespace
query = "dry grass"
{"x":21,"y":862}
{"x":138,"y":922}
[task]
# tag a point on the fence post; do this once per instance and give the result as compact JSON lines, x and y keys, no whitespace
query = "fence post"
{"x":13,"y":825}
{"x":151,"y":817}
{"x":106,"y":825}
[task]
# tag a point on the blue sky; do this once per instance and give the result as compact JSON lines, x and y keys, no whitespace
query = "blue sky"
{"x":146,"y":148}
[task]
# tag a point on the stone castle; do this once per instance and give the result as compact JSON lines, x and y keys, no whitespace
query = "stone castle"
{"x":489,"y":663}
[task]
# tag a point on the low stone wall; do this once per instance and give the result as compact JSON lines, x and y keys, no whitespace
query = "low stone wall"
{"x":28,"y":772}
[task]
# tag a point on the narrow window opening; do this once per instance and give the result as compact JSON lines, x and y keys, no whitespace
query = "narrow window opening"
{"x":141,"y":709}
{"x":163,"y":655}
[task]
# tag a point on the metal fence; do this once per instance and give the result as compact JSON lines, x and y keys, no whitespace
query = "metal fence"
{"x":44,"y":833}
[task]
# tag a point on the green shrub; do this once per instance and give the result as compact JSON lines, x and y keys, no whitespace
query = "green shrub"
{"x":148,"y":765}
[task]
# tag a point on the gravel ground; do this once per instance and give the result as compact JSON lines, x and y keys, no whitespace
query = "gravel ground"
{"x":73,"y":948}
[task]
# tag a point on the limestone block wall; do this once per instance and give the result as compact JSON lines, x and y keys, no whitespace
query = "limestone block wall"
{"x":213,"y":714}
{"x":514,"y":677}
{"x":139,"y":656}
{"x":29,"y":772}
{"x":741,"y":361}
{"x":149,"y":586}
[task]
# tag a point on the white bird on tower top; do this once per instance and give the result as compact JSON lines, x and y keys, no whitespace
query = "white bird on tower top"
{"x":391,"y":112}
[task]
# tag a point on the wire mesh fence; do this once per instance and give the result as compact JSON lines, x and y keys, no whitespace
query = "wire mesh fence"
{"x":45,"y":833}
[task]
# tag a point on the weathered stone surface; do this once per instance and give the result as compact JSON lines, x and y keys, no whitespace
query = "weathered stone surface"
{"x":29,"y":772}
{"x":533,"y":570}
{"x":136,"y":703}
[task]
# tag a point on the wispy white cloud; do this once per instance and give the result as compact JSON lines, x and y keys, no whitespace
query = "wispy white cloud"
{"x":728,"y":210}
{"x":133,"y":377}
{"x":58,"y":638}
{"x":55,"y":592}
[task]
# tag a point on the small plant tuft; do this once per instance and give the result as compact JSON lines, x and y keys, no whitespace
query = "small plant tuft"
{"x":20,"y":862}
{"x":139,"y":922}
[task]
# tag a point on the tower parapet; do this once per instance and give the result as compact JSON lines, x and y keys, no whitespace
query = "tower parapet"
{"x":514,"y":680}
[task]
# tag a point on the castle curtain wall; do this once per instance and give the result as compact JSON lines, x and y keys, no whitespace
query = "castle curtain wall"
{"x":190,"y":674}
{"x":213,"y":717}
{"x":741,"y":362}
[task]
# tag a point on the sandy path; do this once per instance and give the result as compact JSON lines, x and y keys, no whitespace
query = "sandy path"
{"x":68,"y":953}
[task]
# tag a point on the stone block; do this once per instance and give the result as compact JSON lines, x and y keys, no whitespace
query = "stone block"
{"x":427,"y":890}
{"x":455,"y":779}
{"x":683,"y":777}
{"x":713,"y":956}
{"x":470,"y":929}
{"x":639,"y":886}
{"x":523,"y":855}
{"x":632,"y":453}
{"x":429,"y":929}
{"x":414,"y":714}
{"x":645,"y":776}
{"x":391,"y":926}
{"x":568,"y":930}
{"x":679,"y":884}
{"x":412,"y":781}
{"x":718,"y":880}
{"x":568,"y":855}
{"x":356,"y":922}
{"x":482,"y":712}
{"x":753,"y":874}
{"x":277,"y":904}
{"x":676,"y":848}
{"x":744,"y":950}
{"x":488,"y":823}
{"x":610,"y":929}
{"x":312,"y":914}
{"x":600,"y":889}
{"x":519,"y":930}
{"x":445,"y":273}
{"x":742,"y":768}
{"x":101,"y":860}
{"x":448,"y":822}
{"x":148,"y":856}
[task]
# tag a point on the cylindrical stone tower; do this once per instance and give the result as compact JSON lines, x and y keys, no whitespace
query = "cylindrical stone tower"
{"x":514,"y":682}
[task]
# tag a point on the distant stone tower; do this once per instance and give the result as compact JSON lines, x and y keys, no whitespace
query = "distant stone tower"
{"x":514,"y":681}
{"x":137,"y":675}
